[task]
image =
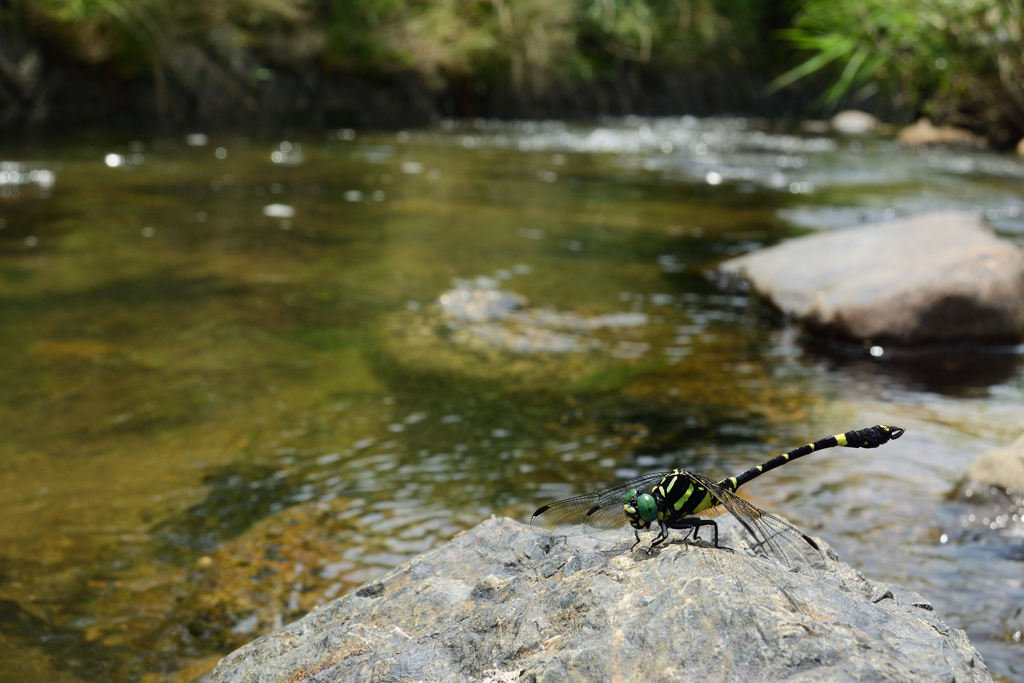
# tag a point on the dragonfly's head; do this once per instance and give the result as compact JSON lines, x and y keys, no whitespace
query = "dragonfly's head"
{"x":641,"y":509}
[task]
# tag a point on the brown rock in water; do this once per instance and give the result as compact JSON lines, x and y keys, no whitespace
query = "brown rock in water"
{"x":938,"y":278}
{"x":1020,"y":148}
{"x":1002,"y":467}
{"x":924,"y":133}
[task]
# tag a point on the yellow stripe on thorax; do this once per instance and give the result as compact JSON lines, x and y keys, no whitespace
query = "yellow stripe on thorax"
{"x":704,"y":504}
{"x":683,"y":498}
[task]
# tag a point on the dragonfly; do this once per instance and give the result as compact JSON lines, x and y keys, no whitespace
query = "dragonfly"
{"x":689,"y":501}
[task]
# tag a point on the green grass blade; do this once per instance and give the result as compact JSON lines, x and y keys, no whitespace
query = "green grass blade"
{"x":811,"y":65}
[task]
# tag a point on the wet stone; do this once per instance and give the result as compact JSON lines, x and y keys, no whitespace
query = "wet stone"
{"x":1002,"y":467}
{"x":479,"y":305}
{"x":924,"y":133}
{"x":939,"y":278}
{"x":496,"y":318}
{"x":487,"y":602}
{"x":854,"y":122}
{"x":488,"y":332}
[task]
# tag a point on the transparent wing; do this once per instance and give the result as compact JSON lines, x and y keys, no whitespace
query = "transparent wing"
{"x":598,"y":511}
{"x":775,"y":537}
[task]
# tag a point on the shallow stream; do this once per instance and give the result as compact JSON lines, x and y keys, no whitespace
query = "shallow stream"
{"x":240,"y":377}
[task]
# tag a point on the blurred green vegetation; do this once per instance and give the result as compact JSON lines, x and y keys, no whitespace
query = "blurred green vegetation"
{"x":526,"y":43}
{"x":956,"y":61}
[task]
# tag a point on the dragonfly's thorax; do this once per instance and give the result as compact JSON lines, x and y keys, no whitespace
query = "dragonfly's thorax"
{"x":679,"y":495}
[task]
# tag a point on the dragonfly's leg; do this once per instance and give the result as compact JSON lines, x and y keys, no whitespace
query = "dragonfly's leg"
{"x":662,"y":535}
{"x":698,"y":523}
{"x":687,"y":524}
{"x":636,"y":532}
{"x":694,"y":524}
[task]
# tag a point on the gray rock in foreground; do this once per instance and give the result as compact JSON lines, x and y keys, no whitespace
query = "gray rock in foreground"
{"x":940,"y":278}
{"x":500,"y":602}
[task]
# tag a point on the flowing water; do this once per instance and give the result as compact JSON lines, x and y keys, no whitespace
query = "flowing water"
{"x":240,"y":377}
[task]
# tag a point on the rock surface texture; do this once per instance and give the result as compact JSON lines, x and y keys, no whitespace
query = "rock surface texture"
{"x":940,"y":278}
{"x":1003,"y":467}
{"x":502,"y":603}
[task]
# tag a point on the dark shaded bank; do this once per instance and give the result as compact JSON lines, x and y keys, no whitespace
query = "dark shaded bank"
{"x":34,"y":94}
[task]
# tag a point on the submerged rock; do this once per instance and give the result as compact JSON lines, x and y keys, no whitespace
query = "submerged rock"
{"x":479,"y":305}
{"x":494,"y":318}
{"x":939,"y":278}
{"x":854,"y":122}
{"x":925,"y":133}
{"x":1002,"y":467}
{"x":501,"y":602}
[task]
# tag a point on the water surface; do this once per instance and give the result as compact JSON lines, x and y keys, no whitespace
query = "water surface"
{"x":231,"y":390}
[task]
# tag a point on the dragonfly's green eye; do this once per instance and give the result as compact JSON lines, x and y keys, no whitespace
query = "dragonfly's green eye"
{"x":647,"y":508}
{"x":630,"y":495}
